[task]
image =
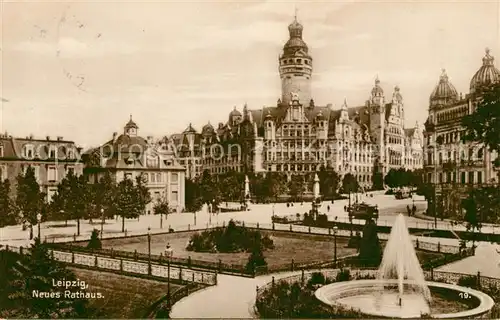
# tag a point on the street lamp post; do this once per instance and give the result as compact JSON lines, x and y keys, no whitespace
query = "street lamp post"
{"x":102,"y":221}
{"x":194,"y":217}
{"x":39,"y":219}
{"x":149,"y":244}
{"x":335,"y":229}
{"x":435,"y":179}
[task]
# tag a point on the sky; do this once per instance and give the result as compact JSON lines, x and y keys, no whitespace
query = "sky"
{"x":79,"y":69}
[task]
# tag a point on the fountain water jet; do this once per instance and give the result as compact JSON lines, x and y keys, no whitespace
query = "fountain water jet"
{"x":400,"y":290}
{"x":400,"y":262}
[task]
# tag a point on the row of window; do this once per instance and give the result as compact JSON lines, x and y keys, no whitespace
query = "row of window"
{"x":451,"y":177}
{"x":453,"y":156}
{"x":295,"y":61}
{"x":457,"y":113}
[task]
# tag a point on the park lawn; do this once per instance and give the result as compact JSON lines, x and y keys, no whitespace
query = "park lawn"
{"x":302,"y":248}
{"x":124,"y":297}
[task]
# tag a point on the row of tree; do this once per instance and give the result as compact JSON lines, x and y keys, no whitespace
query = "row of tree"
{"x":76,"y":199}
{"x":269,"y":187}
{"x":401,"y":177}
{"x":230,"y":186}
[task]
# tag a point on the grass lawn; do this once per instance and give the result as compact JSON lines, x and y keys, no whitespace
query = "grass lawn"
{"x":124,"y":297}
{"x":300,"y":247}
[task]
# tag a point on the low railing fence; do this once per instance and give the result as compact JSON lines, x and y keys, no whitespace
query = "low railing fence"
{"x":240,"y":269}
{"x":363,"y":273}
{"x":126,"y":266}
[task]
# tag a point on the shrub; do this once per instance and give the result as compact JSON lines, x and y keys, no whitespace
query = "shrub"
{"x":343,"y":275}
{"x":233,"y":238}
{"x":256,"y":259}
{"x":317,"y":278}
{"x":95,"y":242}
{"x":355,"y":241}
{"x":468,"y":281}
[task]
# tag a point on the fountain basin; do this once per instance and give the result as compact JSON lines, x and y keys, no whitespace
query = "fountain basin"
{"x":369,"y":298}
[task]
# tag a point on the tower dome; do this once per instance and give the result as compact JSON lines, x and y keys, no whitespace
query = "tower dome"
{"x":235,"y":113}
{"x":486,"y":75}
{"x":295,"y":41}
{"x":444,"y":91}
{"x":377,"y":90}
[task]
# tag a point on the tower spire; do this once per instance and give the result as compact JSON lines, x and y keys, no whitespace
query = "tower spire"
{"x":296,"y":11}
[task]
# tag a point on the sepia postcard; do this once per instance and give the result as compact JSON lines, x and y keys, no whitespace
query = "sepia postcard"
{"x":249,"y":159}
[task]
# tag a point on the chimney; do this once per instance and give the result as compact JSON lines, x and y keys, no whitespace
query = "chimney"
{"x":59,"y":138}
{"x":114,"y":136}
{"x":31,"y":136}
{"x":48,"y":138}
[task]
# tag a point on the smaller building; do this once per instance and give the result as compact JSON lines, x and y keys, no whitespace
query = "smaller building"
{"x":51,"y":160}
{"x":128,"y":156}
{"x":188,"y":150}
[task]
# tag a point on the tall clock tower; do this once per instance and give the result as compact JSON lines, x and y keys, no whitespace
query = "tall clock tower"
{"x":295,"y":67}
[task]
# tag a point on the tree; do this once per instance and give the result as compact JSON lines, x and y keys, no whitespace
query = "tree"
{"x":378,"y":180}
{"x":128,"y":201}
{"x":193,"y":199}
{"x":296,"y":187}
{"x":24,"y":277}
{"x":256,"y":259}
{"x":144,"y":197}
{"x":349,"y":185}
{"x":483,"y":125}
{"x":7,"y":213}
{"x":29,"y":199}
{"x":95,"y":242}
{"x":161,"y":207}
{"x":328,"y":181}
{"x":370,"y":250}
{"x":208,"y":187}
{"x":276,"y":184}
{"x":73,"y":197}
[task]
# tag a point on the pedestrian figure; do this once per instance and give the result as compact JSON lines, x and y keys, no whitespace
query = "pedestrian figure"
{"x":328,"y":208}
{"x":408,"y":209}
{"x":413,"y":210}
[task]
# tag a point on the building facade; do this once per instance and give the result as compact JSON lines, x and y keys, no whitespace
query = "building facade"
{"x":187,"y":150}
{"x":449,"y":163}
{"x":297,"y":136}
{"x":128,"y":156}
{"x":51,"y":160}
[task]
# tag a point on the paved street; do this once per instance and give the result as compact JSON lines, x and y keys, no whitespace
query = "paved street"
{"x":389,"y":208}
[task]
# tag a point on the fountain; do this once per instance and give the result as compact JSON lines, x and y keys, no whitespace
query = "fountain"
{"x":400,"y":289}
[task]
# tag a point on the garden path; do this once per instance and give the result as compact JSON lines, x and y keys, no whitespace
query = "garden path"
{"x":232,"y":297}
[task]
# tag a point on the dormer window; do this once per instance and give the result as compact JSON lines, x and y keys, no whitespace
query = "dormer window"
{"x":29,"y":151}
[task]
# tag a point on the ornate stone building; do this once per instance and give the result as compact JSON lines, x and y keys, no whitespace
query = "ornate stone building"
{"x":187,"y":150}
{"x":51,"y":160}
{"x":128,"y":156}
{"x":298,"y":136}
{"x":449,"y":163}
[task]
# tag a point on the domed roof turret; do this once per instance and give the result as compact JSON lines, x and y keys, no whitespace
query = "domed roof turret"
{"x":295,"y":43}
{"x":131,"y":124}
{"x":444,"y":90}
{"x":235,"y":113}
{"x":207,"y":129}
{"x":190,"y":129}
{"x":486,"y":75}
{"x":377,"y":90}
